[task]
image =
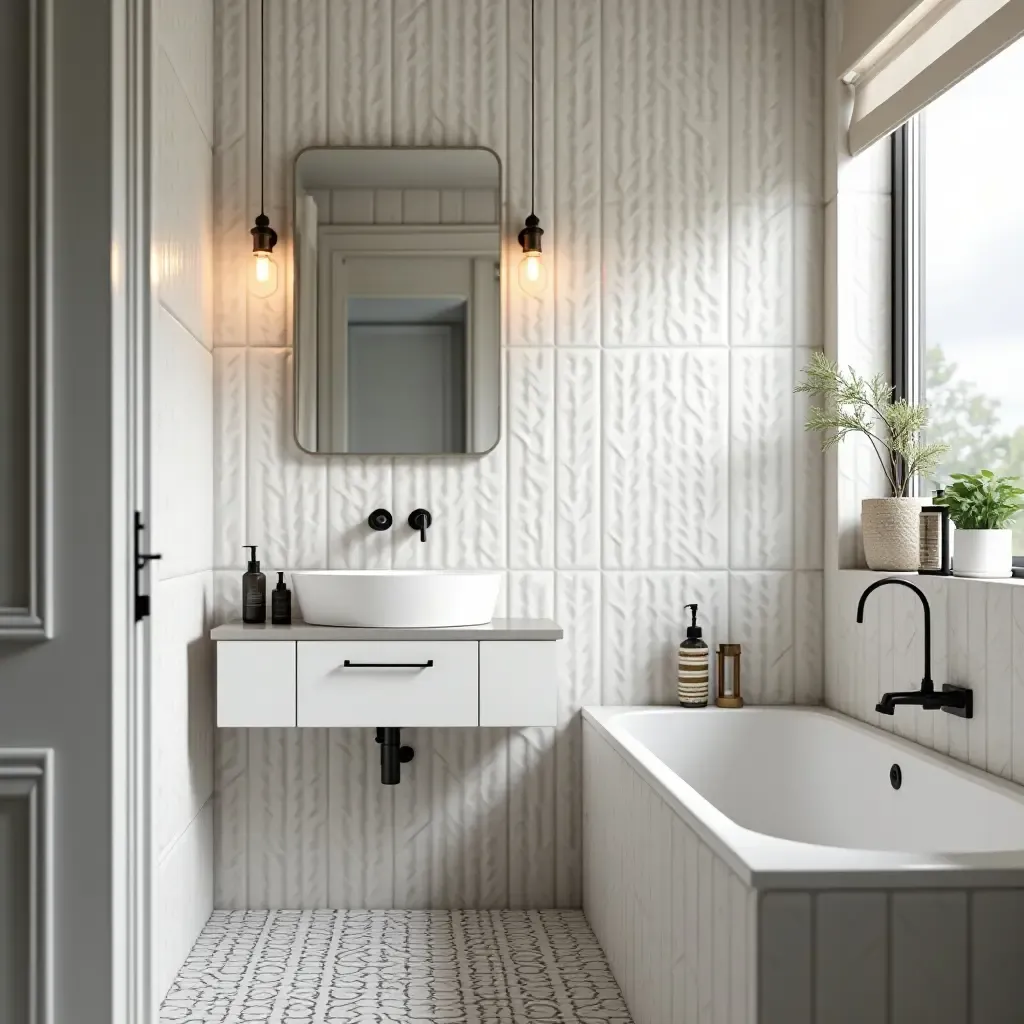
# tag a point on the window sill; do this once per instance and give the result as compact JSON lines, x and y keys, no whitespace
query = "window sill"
{"x":871,"y":575}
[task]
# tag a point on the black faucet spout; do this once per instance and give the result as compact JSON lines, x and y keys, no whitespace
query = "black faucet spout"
{"x":955,"y":700}
{"x":926,"y":682}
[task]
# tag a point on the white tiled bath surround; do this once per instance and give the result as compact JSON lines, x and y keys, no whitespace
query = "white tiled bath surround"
{"x":652,"y":451}
{"x":977,"y":641}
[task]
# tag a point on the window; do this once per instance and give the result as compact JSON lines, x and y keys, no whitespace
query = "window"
{"x":958,"y":286}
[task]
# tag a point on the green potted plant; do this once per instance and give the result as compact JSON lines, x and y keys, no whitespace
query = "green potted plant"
{"x":852,"y":404}
{"x":982,"y":506}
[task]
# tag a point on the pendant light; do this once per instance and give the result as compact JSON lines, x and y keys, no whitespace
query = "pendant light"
{"x":264,"y":237}
{"x":531,"y":267}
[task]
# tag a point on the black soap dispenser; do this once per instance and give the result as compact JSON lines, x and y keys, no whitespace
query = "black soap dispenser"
{"x":281,"y":604}
{"x":254,"y":590}
{"x":694,"y":666}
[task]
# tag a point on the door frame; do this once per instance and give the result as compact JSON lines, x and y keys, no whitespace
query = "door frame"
{"x":132,"y":846}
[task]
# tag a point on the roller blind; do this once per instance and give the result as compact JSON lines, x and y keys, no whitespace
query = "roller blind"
{"x":899,"y":56}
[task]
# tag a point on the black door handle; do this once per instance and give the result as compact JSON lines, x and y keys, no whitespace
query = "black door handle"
{"x":142,"y":603}
{"x":389,"y":664}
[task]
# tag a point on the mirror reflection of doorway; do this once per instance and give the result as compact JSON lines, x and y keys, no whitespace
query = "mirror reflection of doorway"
{"x":406,"y":390}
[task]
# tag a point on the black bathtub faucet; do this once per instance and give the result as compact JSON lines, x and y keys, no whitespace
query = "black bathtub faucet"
{"x":954,"y":700}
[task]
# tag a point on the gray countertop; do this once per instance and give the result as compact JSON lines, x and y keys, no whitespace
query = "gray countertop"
{"x":496,"y":629}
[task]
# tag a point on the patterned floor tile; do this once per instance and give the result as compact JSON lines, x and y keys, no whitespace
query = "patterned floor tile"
{"x":395,"y":967}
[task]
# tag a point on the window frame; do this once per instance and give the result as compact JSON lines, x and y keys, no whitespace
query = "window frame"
{"x":907,"y":272}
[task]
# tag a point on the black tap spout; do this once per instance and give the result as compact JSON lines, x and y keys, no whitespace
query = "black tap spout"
{"x":955,"y":699}
{"x":926,"y":683}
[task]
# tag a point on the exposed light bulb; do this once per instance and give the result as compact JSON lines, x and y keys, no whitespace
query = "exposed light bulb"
{"x":264,"y":275}
{"x":531,"y":266}
{"x":264,"y":238}
{"x":531,"y":273}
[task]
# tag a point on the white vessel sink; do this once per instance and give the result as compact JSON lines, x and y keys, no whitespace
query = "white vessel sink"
{"x":397,"y":598}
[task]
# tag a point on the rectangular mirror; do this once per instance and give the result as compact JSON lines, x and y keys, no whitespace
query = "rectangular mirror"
{"x":397,"y":301}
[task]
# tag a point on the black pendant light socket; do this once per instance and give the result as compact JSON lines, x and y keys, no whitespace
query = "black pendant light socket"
{"x":529,"y":237}
{"x":264,"y":237}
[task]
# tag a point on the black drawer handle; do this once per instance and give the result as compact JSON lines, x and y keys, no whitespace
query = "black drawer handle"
{"x":389,"y":664}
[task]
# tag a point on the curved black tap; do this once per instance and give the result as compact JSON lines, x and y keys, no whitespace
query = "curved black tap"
{"x":926,"y":684}
{"x":956,"y":700}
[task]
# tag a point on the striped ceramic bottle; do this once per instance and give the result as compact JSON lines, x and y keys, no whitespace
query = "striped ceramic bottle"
{"x":694,"y":663}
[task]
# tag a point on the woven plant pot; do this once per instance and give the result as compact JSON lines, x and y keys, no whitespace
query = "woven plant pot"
{"x":891,"y":529}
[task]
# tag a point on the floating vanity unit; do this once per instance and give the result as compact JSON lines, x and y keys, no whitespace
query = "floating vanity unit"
{"x":499,"y":674}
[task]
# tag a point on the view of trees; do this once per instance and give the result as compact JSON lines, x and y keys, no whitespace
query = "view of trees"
{"x":969,"y":422}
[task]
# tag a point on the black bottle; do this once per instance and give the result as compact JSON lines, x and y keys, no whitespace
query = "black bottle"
{"x":254,"y":590}
{"x":281,"y":604}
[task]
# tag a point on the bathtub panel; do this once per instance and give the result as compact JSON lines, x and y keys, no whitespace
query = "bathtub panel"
{"x":785,"y":975}
{"x":721,"y":929}
{"x":674,"y":920}
{"x":851,"y":957}
{"x":997,"y":952}
{"x":739,"y":913}
{"x":680,"y":904}
{"x":660,"y":892}
{"x":705,"y":934}
{"x":691,"y":926}
{"x":928,"y":957}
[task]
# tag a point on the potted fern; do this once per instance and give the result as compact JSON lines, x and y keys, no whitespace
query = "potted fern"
{"x":852,"y":404}
{"x":982,"y":506}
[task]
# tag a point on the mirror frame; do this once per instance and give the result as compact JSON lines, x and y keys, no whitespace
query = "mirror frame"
{"x":503,"y":277}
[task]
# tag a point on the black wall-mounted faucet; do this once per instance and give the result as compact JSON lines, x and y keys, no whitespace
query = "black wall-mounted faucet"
{"x":954,"y":700}
{"x":421,"y":520}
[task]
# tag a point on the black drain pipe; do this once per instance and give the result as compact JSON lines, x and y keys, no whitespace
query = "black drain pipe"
{"x":392,"y":755}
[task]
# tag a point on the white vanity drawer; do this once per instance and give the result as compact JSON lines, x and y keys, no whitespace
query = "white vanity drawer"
{"x":396,"y":683}
{"x":255,"y":684}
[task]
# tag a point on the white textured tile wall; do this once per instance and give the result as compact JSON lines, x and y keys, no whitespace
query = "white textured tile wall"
{"x":181,"y":464}
{"x":856,"y":296}
{"x":652,"y":452}
{"x":184,"y":887}
{"x":977,"y":641}
{"x":688,"y":940}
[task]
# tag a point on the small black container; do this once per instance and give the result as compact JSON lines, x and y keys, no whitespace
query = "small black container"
{"x":281,"y":604}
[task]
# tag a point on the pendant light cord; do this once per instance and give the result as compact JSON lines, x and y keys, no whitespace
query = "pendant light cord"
{"x":533,"y":110}
{"x":263,"y":8}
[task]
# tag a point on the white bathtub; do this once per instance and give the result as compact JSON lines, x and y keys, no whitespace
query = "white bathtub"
{"x":758,"y":866}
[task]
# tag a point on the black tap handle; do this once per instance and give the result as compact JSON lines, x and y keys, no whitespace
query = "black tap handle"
{"x":420,"y":519}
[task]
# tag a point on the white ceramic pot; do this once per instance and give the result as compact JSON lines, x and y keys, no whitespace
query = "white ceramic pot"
{"x":983,"y":554}
{"x":891,"y":528}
